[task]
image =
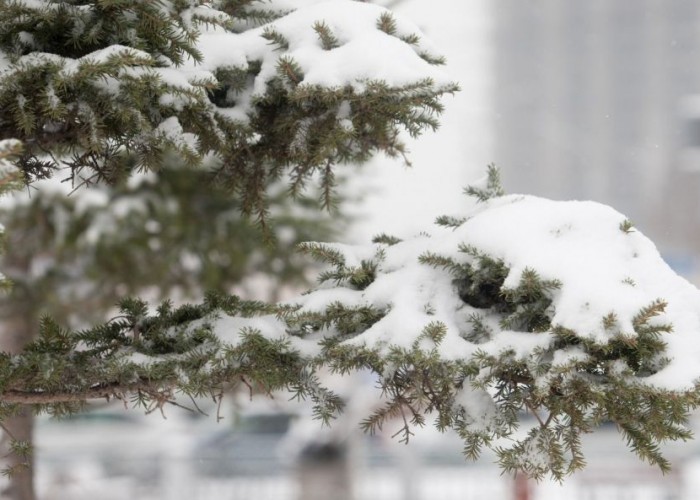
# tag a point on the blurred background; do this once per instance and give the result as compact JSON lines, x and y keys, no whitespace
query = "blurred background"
{"x":595,"y":99}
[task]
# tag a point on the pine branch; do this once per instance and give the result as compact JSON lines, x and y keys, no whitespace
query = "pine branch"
{"x":102,"y":391}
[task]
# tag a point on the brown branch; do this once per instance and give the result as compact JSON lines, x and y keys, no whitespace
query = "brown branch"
{"x":250,"y":387}
{"x":537,"y":416}
{"x":219,"y":398}
{"x":201,"y":412}
{"x":7,"y":431}
{"x":549,"y":419}
{"x":101,"y":391}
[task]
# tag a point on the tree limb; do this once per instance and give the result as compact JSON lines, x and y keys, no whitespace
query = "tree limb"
{"x":115,"y":390}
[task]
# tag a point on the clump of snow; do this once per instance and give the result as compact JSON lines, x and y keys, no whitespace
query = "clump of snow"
{"x":229,"y":329}
{"x":604,"y":268}
{"x":479,"y":407}
{"x":172,"y":130}
{"x":364,"y":52}
{"x":116,"y":51}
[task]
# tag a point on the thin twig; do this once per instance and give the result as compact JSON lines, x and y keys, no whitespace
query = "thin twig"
{"x":197,"y":406}
{"x":250,"y":387}
{"x":7,"y":431}
{"x":175,"y":403}
{"x":219,"y":418}
{"x":537,"y":416}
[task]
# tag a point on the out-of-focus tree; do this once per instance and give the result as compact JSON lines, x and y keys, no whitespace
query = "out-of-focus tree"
{"x":73,"y":257}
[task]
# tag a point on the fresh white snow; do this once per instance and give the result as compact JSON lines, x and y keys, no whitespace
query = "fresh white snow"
{"x":603,"y":269}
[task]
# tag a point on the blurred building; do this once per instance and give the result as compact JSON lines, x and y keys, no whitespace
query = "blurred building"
{"x":588,"y":105}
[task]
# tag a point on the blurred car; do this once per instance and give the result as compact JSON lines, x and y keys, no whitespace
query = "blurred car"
{"x":250,"y":448}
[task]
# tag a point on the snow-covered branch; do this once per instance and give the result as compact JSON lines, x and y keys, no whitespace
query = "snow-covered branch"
{"x":519,"y":306}
{"x":107,"y":91}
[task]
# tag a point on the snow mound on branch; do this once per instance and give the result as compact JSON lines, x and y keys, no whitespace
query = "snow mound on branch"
{"x":364,"y":52}
{"x":602,"y":267}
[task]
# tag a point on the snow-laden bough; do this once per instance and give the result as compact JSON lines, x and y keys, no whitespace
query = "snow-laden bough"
{"x":561,"y":310}
{"x":521,"y":325}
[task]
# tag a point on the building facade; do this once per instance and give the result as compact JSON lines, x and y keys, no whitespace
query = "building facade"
{"x":589,"y":104}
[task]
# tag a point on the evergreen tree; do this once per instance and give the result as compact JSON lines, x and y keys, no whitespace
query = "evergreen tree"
{"x":214,"y":100}
{"x":579,"y":324}
{"x":520,"y":306}
{"x":245,"y":88}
